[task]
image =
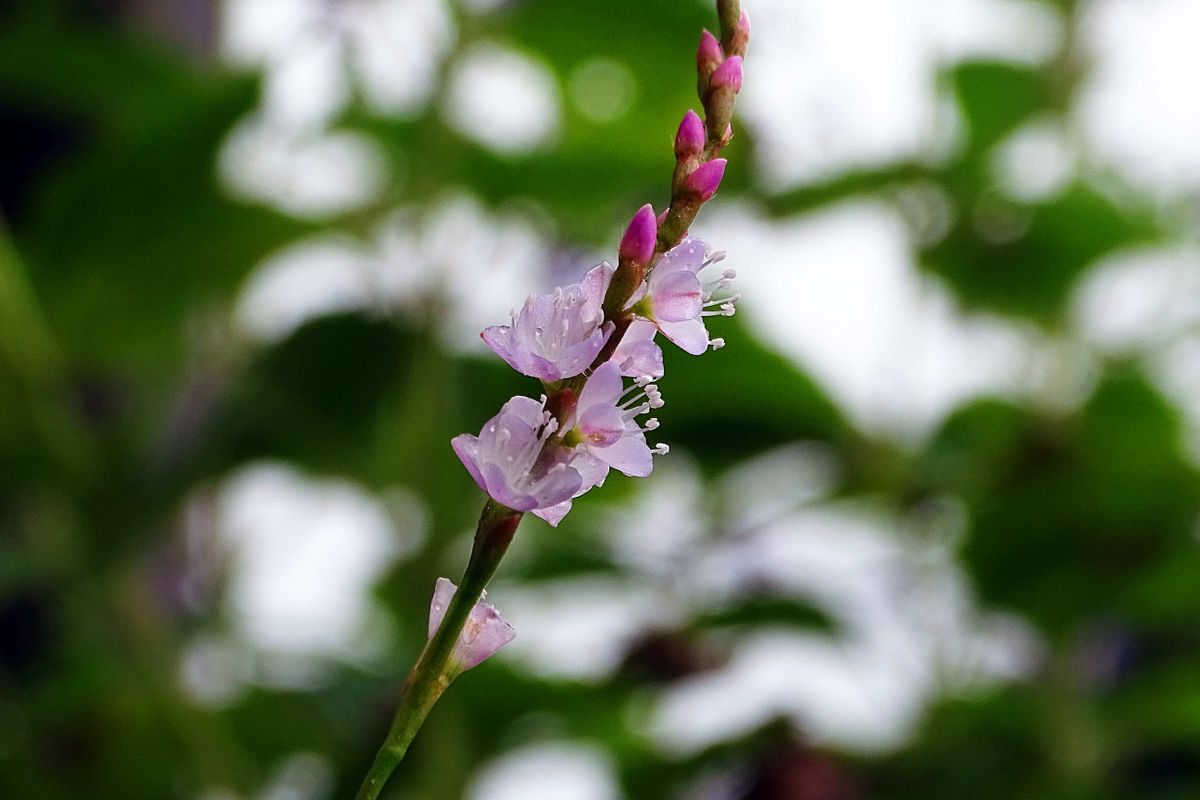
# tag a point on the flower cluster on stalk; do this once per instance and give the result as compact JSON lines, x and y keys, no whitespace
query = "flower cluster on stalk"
{"x":594,"y":347}
{"x":593,"y":344}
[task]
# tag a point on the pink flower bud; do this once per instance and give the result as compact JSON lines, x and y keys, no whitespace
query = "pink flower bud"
{"x":706,"y":178}
{"x":744,"y":24}
{"x":663,"y":216}
{"x":728,"y":74}
{"x":638,"y":243}
{"x":484,"y":633}
{"x":709,"y":54}
{"x":689,"y":140}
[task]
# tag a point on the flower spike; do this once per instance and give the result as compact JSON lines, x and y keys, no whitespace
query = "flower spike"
{"x":592,"y":345}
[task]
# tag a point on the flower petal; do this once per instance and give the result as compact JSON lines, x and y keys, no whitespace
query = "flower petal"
{"x":576,"y":358}
{"x":603,"y":387}
{"x":466,"y":447}
{"x":595,"y":283}
{"x":691,"y":335}
{"x":675,"y":296}
{"x":500,"y":488}
{"x":484,"y":633}
{"x":500,"y":339}
{"x":593,"y":471}
{"x":601,"y":425}
{"x":631,"y":455}
{"x":562,"y":482}
{"x":688,"y":254}
{"x":526,"y":409}
{"x":637,"y":354}
{"x":537,"y":367}
{"x":553,"y":514}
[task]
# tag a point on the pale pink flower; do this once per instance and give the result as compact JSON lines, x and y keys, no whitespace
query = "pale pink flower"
{"x":605,"y":426}
{"x":676,"y":301}
{"x":556,"y":336}
{"x":484,"y":633}
{"x":603,"y":432}
{"x":507,"y":462}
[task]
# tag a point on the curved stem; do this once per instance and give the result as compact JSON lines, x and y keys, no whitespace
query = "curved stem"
{"x":435,"y":669}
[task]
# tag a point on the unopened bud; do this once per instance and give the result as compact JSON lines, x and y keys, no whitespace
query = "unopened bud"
{"x":637,"y":244}
{"x":706,"y":178}
{"x":728,"y":74}
{"x":740,"y":37}
{"x":708,"y":55}
{"x":689,"y":140}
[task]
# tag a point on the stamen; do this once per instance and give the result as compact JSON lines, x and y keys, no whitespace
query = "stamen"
{"x":717,"y":344}
{"x":651,"y":424}
{"x":635,"y":387}
{"x":660,"y":449}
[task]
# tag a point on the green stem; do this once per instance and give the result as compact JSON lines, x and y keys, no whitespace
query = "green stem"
{"x":434,"y":670}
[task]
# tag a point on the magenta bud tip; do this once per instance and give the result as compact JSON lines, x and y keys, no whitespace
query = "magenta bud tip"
{"x":709,"y":53}
{"x":663,"y":216}
{"x":690,"y":138}
{"x":705,"y":180}
{"x":638,"y":242}
{"x":728,"y":74}
{"x":744,"y":24}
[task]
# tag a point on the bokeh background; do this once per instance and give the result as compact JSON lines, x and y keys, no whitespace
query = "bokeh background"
{"x":929,"y":525}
